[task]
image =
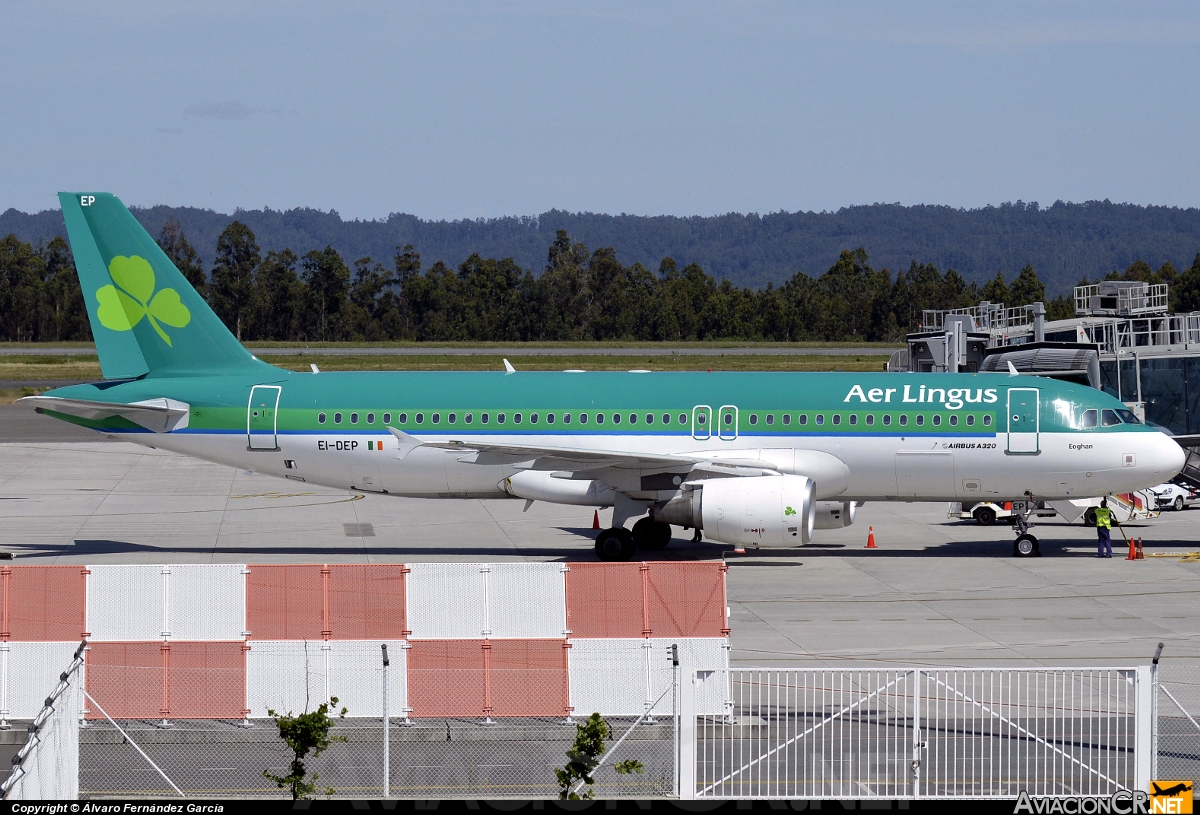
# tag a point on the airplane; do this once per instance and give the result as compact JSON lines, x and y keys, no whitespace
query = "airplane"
{"x":1170,"y":792}
{"x":752,"y":459}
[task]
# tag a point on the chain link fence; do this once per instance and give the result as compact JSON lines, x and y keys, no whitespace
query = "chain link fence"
{"x":429,"y":758}
{"x":1178,"y":721}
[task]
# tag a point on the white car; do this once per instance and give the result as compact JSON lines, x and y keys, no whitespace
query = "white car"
{"x":1173,"y":496}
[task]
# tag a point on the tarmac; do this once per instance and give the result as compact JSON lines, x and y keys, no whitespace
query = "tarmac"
{"x":936,"y":591}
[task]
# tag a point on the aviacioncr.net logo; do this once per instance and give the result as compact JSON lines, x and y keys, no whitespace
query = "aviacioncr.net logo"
{"x":133,"y":297}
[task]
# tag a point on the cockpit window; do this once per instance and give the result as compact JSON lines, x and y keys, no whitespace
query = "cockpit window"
{"x":1091,"y":418}
{"x":1128,"y":416}
{"x":1110,"y":418}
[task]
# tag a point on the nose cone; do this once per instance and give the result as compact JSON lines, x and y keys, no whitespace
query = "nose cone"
{"x":1167,"y":457}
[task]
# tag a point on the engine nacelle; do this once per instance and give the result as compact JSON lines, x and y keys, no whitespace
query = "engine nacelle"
{"x":834,"y":514}
{"x":756,"y":511}
{"x":540,"y":485}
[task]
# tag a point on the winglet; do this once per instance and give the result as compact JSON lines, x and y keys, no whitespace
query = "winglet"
{"x":1012,"y":369}
{"x":508,"y":368}
{"x":407,"y":443}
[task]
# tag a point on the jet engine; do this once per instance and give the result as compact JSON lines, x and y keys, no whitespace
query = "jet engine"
{"x":834,"y":514}
{"x":756,"y":511}
{"x":539,"y":485}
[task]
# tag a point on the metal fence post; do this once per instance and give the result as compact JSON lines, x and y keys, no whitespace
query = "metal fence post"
{"x":387,"y":723}
{"x":1154,"y":712}
{"x":1144,"y":735}
{"x":687,"y":738}
{"x":916,"y":745}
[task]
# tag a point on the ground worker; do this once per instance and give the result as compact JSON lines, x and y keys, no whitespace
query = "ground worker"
{"x":1103,"y":529}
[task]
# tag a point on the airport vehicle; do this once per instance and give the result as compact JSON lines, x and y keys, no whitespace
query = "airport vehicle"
{"x":1130,"y":506}
{"x":752,"y":459}
{"x":1172,"y":495}
{"x":986,"y":513}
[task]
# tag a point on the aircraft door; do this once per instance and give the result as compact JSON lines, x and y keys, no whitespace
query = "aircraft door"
{"x":701,"y":422}
{"x":262,"y":422}
{"x":1023,"y":420}
{"x":729,"y":422}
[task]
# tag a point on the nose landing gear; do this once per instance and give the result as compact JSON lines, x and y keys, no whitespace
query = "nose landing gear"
{"x":1025,"y":545}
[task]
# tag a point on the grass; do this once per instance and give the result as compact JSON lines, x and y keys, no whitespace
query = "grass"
{"x":549,"y":344}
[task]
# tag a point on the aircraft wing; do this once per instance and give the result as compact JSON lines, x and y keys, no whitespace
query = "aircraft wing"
{"x":159,"y":415}
{"x":575,"y":459}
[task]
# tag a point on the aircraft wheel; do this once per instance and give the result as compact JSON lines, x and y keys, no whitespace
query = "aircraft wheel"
{"x":1089,"y":517}
{"x":650,"y":534}
{"x":1026,"y":546}
{"x":1179,"y":503}
{"x":985,"y":516}
{"x":615,"y":545}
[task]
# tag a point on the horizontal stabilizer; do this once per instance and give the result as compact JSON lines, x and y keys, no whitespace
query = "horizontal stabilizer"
{"x":158,"y":415}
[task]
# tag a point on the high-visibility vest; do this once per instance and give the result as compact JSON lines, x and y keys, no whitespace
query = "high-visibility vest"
{"x":1103,"y":518}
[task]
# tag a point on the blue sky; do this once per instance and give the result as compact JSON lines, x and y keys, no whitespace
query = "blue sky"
{"x":464,"y":109}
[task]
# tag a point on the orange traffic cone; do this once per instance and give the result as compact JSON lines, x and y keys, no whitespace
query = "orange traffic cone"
{"x":871,"y":538}
{"x":739,"y":551}
{"x":1140,"y":554}
{"x":1132,"y":549}
{"x":596,"y":519}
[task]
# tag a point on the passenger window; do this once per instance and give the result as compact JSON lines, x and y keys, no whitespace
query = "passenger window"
{"x":837,"y":419}
{"x":599,"y":418}
{"x":887,"y":419}
{"x":1091,"y":418}
{"x":403,"y":417}
{"x":728,"y":419}
{"x":616,"y":418}
{"x":770,"y":418}
{"x":337,"y":418}
{"x":920,"y":420}
{"x":820,"y":418}
{"x":582,"y":418}
{"x":370,"y":418}
{"x":483,"y":417}
{"x":387,"y":418}
{"x":870,"y":419}
{"x":853,"y":418}
{"x":452,"y":418}
{"x":533,"y":418}
{"x":683,"y":418}
{"x":701,"y":419}
{"x":499,"y":418}
{"x":987,"y":419}
{"x":1109,"y":418}
{"x":468,"y":418}
{"x":937,"y":420}
{"x":787,"y":418}
{"x":650,"y":418}
{"x":353,"y":418}
{"x":903,"y":419}
{"x":753,"y":419}
{"x":566,"y":418}
{"x":549,"y":418}
{"x":437,"y":418}
{"x":1129,"y":417}
{"x":516,"y":418}
{"x":953,"y":421}
{"x":970,"y":421}
{"x":320,"y":418}
{"x":803,"y":418}
{"x":633,"y":418}
{"x":666,"y":418}
{"x":420,"y":418}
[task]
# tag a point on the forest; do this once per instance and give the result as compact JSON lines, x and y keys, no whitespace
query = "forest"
{"x":579,"y":294}
{"x":1065,"y":242}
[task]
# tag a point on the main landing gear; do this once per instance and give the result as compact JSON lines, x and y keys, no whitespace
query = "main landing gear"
{"x":1025,"y":545}
{"x":618,"y":544}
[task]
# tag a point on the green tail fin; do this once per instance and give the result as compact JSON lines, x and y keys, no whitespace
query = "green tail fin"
{"x":145,"y":316}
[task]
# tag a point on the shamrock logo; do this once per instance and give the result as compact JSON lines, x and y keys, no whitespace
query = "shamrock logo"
{"x":789,"y":511}
{"x":122,"y":306}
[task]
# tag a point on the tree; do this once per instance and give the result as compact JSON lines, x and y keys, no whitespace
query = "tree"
{"x":65,"y":315}
{"x":1188,"y":296}
{"x":182,"y":254}
{"x":277,"y":300}
{"x":1027,"y":288}
{"x":304,"y":733}
{"x":21,"y":290}
{"x":238,"y":257}
{"x":584,"y":757}
{"x":996,"y":290}
{"x":327,"y":278}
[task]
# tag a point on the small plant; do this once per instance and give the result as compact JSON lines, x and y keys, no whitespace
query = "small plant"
{"x":584,"y":756}
{"x":304,"y":733}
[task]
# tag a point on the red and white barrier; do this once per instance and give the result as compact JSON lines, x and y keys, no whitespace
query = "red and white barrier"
{"x":231,"y":641}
